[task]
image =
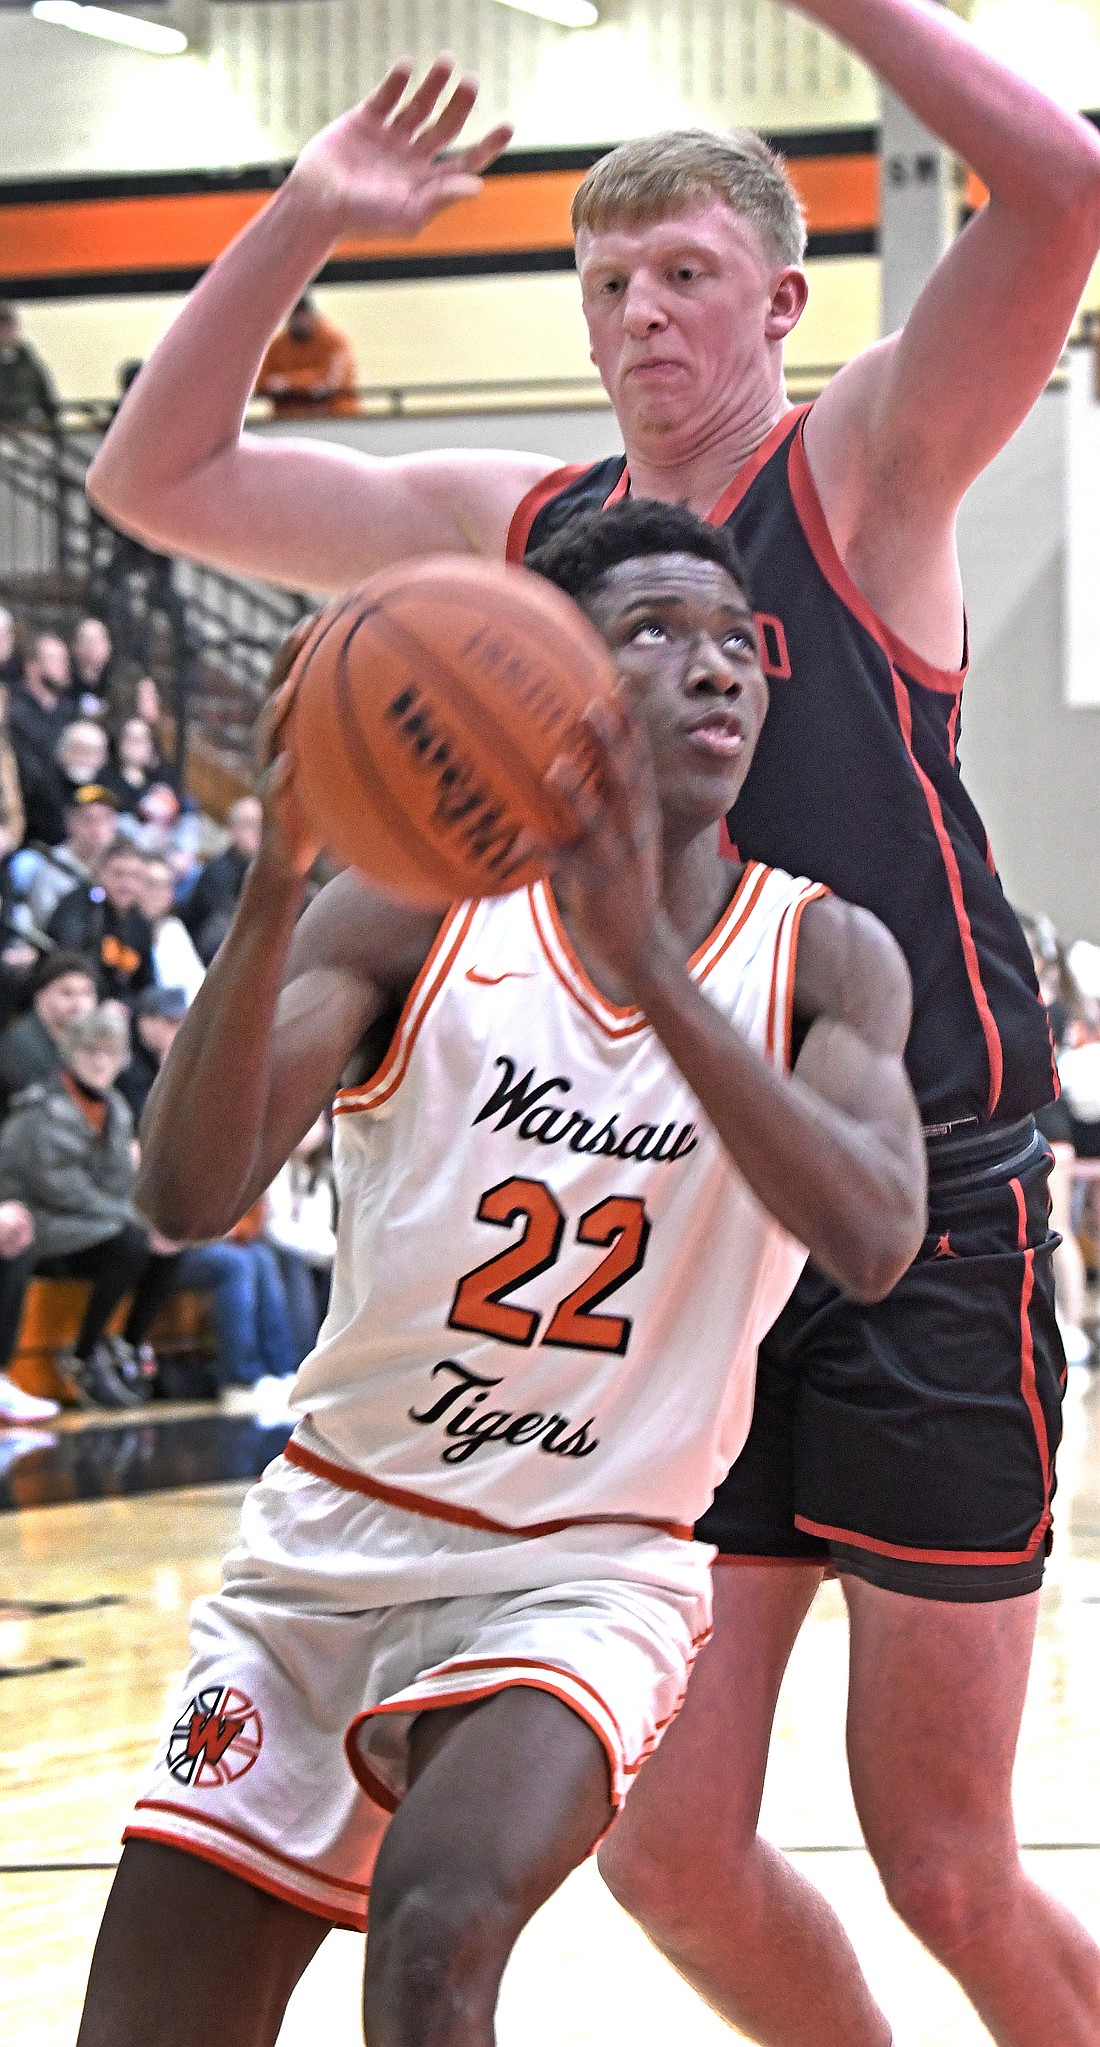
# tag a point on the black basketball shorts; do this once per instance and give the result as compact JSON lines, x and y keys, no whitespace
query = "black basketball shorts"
{"x":911,"y":1441}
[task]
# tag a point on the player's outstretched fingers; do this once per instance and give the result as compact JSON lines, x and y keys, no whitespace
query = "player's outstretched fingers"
{"x":423,"y":101}
{"x":389,"y":91}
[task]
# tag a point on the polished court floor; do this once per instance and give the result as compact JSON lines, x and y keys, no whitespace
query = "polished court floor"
{"x":94,"y":1592}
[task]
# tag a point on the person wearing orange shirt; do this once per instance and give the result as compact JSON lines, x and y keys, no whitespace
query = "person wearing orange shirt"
{"x":309,"y":368}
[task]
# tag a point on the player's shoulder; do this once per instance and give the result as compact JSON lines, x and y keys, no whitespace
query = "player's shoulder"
{"x":480,"y":489}
{"x":354,"y":930}
{"x":849,"y":966}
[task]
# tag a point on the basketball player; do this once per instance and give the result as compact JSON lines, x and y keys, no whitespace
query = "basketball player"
{"x":909,"y":1446}
{"x":474,"y":1567}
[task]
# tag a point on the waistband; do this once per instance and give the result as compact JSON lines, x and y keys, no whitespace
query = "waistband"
{"x":977,"y":1158}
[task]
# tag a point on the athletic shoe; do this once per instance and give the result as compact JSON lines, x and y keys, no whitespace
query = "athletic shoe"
{"x":94,"y":1381}
{"x":20,"y":1408}
{"x":135,"y":1365}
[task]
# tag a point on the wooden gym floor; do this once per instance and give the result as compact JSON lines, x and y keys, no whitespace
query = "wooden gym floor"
{"x":92,"y":1639}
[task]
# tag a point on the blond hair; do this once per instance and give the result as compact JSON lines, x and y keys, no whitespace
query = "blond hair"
{"x":661,"y":175}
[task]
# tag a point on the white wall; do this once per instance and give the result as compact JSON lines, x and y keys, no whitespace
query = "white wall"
{"x":1030,"y":759}
{"x":261,"y":78}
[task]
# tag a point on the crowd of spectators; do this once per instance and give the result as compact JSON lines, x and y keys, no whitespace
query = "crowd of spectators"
{"x":109,"y":918}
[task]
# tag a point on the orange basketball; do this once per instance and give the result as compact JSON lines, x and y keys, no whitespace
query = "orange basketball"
{"x":422,"y":714}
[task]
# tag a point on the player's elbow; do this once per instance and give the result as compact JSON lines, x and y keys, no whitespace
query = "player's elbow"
{"x":106,"y":485}
{"x":884,"y":1241}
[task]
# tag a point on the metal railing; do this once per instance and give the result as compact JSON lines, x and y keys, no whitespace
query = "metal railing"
{"x":207,"y":639}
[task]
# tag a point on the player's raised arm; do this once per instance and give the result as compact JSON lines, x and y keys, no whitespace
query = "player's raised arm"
{"x":283,"y":1008}
{"x":907,"y":427}
{"x":175,"y":466}
{"x":835,"y":1150}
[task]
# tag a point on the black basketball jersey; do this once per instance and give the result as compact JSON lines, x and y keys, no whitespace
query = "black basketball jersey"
{"x":856,"y":782}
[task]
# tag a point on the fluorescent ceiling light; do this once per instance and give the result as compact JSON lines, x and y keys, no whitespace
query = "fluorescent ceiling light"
{"x":113,"y":28}
{"x":567,"y":13}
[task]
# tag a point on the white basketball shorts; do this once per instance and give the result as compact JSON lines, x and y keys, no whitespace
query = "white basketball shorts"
{"x":341,"y":1618}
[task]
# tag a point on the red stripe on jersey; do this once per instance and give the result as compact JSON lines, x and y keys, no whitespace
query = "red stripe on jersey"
{"x":529,"y":507}
{"x":994,"y":1050}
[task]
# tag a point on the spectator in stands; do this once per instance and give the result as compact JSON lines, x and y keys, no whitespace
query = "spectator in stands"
{"x":158,"y":1014}
{"x":79,"y":761}
{"x":136,"y":766}
{"x":300,"y":1226}
{"x":105,"y":922}
{"x":135,"y":695}
{"x":92,"y":665}
{"x":257,"y":1354}
{"x":11,"y":660}
{"x":67,"y":1152}
{"x":40,"y":707}
{"x":176,"y":964}
{"x":64,"y":988}
{"x":43,"y":875}
{"x":309,"y":369}
{"x":27,"y":393}
{"x":13,"y":821}
{"x":208,"y":911}
{"x":17,"y":1408}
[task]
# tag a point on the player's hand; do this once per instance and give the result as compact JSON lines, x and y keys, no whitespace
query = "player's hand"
{"x":287,"y":848}
{"x":390,"y":165}
{"x":611,"y":874}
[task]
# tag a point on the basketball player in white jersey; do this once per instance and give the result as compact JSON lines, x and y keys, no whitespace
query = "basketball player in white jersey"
{"x":690,"y":288}
{"x":574,"y":1190}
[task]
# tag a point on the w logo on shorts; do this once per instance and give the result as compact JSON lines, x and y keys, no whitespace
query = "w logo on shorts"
{"x":216,"y":1738}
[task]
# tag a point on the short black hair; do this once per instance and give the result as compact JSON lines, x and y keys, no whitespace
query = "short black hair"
{"x":584,"y":551}
{"x":57,"y":964}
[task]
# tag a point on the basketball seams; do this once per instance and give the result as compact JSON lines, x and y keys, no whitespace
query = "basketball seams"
{"x":471,"y":714}
{"x":420,"y":742}
{"x":413,"y":843}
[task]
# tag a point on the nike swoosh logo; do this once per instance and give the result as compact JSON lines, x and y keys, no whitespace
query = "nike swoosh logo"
{"x":494,"y":980}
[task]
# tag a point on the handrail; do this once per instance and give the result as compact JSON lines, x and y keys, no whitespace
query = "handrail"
{"x":504,"y":394}
{"x":208,"y":639}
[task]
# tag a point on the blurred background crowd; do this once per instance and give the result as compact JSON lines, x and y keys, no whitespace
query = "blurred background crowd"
{"x":115,"y":893}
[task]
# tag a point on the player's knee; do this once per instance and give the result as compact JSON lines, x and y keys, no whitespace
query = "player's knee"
{"x":665,"y":1888}
{"x":432,"y":1940}
{"x":952,"y":1894}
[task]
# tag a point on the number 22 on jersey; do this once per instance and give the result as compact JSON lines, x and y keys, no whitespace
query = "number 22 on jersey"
{"x":618,"y":1223}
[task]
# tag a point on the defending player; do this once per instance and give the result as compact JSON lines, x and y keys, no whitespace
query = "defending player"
{"x":570,"y":1194}
{"x":912,"y":1444}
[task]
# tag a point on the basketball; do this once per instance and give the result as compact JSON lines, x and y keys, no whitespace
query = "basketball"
{"x":421,"y":716}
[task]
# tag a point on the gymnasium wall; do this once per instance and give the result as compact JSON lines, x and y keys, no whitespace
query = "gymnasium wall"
{"x":438,"y":331}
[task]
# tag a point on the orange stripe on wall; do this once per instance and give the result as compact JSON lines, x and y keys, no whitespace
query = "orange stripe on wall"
{"x":522,"y":211}
{"x":839,"y":193}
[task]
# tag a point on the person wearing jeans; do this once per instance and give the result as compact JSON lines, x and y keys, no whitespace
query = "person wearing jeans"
{"x":68,"y":1154}
{"x":256,"y":1346}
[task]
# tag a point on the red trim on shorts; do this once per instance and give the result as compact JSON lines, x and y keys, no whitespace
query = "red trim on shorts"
{"x":992,"y":1036}
{"x":259,"y":1880}
{"x":1028,"y":1385}
{"x":770,"y":1563}
{"x":529,"y":506}
{"x":907,"y":1555}
{"x":191,"y":1812}
{"x":467,"y":1517}
{"x":811,"y":518}
{"x":618,"y":1768}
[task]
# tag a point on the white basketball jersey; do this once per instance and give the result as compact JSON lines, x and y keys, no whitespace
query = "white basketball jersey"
{"x":551,"y":1279}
